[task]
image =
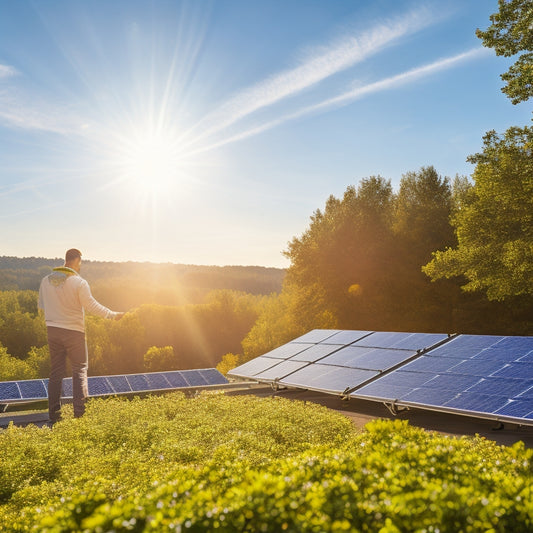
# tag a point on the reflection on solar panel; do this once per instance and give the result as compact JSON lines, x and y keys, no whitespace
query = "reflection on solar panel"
{"x":479,"y":375}
{"x":37,"y":389}
{"x":335,"y":361}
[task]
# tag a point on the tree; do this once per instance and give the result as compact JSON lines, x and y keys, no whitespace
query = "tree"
{"x":511,"y":32}
{"x":494,"y":227}
{"x":157,"y":359}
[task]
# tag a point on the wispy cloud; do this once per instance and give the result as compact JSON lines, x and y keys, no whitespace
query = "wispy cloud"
{"x":347,"y":97}
{"x":7,"y":71}
{"x":320,"y":64}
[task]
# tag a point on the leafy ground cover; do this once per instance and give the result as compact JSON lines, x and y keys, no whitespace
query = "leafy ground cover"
{"x":223,"y":463}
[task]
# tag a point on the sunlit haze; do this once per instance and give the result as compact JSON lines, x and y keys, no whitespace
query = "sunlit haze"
{"x":209,"y":131}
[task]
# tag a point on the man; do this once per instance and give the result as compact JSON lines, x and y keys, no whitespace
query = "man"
{"x":64,"y":296}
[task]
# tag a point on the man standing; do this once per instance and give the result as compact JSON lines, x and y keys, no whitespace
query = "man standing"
{"x":64,"y":296}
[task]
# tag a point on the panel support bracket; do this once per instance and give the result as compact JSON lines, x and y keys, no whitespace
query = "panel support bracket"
{"x":394,"y":408}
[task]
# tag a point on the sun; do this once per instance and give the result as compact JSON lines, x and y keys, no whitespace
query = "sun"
{"x":150,"y":163}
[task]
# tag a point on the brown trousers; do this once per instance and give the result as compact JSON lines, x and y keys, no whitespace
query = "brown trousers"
{"x":65,"y":343}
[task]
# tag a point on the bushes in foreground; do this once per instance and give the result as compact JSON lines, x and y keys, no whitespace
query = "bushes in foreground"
{"x":247,"y":464}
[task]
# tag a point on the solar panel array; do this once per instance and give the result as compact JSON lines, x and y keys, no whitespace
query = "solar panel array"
{"x":479,"y":375}
{"x":37,"y":389}
{"x":489,"y":375}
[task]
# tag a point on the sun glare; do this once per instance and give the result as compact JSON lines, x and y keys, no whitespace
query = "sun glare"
{"x":150,"y":164}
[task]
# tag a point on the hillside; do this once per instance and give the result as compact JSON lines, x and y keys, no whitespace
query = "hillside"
{"x":130,"y":284}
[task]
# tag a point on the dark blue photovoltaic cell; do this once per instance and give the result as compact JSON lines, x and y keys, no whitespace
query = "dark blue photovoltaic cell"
{"x":346,"y":337}
{"x":527,"y":395}
{"x":98,"y":386}
{"x":382,"y":391}
{"x":254,"y":367}
{"x":279,"y":371}
{"x":67,"y":388}
{"x":287,"y":350}
{"x":450,"y":382}
{"x":194,"y":378}
{"x":528,"y":358}
{"x":393,"y":386}
{"x":34,"y":388}
{"x":157,"y":381}
{"x":428,"y":396}
{"x":519,"y":408}
{"x":401,"y":341}
{"x":496,"y":354}
{"x":507,"y":387}
{"x":176,"y":379}
{"x":9,"y":391}
{"x":465,"y":346}
{"x":138,"y":382}
{"x":434,"y":365}
{"x":327,"y":378}
{"x":474,"y":367}
{"x":213,"y":377}
{"x":317,"y":335}
{"x":312,"y":354}
{"x":483,"y":403}
{"x":519,"y":346}
{"x":367,"y":358}
{"x":119,"y":383}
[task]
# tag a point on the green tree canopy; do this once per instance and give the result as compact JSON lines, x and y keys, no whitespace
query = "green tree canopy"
{"x":510,"y":33}
{"x":494,"y":225}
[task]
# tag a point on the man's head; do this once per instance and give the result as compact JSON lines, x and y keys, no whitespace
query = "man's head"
{"x":73,"y":259}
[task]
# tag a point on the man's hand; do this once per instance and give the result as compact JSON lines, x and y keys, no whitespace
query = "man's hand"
{"x":118,"y":316}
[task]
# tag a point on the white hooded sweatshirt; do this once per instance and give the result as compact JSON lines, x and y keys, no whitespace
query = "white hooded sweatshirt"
{"x":64,"y":295}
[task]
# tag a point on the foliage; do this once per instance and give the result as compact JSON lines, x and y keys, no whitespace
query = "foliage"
{"x":228,"y":362}
{"x":12,"y":368}
{"x":127,"y":285}
{"x":250,"y":464}
{"x":494,"y":226}
{"x":159,"y":358}
{"x":509,"y":34}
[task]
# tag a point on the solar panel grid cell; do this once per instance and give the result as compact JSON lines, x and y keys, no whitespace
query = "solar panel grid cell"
{"x":315,"y":352}
{"x":33,"y":389}
{"x":194,"y":378}
{"x":9,"y":390}
{"x":328,"y":378}
{"x":317,"y":335}
{"x":346,"y":337}
{"x":280,"y":371}
{"x":213,"y":376}
{"x":99,"y":386}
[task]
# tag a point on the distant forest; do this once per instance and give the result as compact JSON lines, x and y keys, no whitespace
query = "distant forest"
{"x":123,"y":286}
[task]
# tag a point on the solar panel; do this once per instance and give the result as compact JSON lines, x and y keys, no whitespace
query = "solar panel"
{"x":480,"y":375}
{"x":317,"y":335}
{"x":315,"y":352}
{"x":157,"y":381}
{"x":37,"y":389}
{"x":33,"y":389}
{"x":119,"y":384}
{"x":283,"y":369}
{"x":8,"y":390}
{"x":213,"y":376}
{"x":99,"y":386}
{"x":366,"y":351}
{"x":194,"y":378}
{"x":332,"y":379}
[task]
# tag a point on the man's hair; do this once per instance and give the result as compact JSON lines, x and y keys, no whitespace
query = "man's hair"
{"x":72,"y":254}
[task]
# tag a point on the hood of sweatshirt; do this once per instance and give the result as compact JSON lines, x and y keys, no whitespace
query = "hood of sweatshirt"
{"x":60,"y":274}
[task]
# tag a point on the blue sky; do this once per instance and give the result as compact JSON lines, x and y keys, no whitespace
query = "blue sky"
{"x":208,"y":132}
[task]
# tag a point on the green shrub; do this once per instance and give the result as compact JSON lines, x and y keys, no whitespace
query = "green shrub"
{"x":242,"y":463}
